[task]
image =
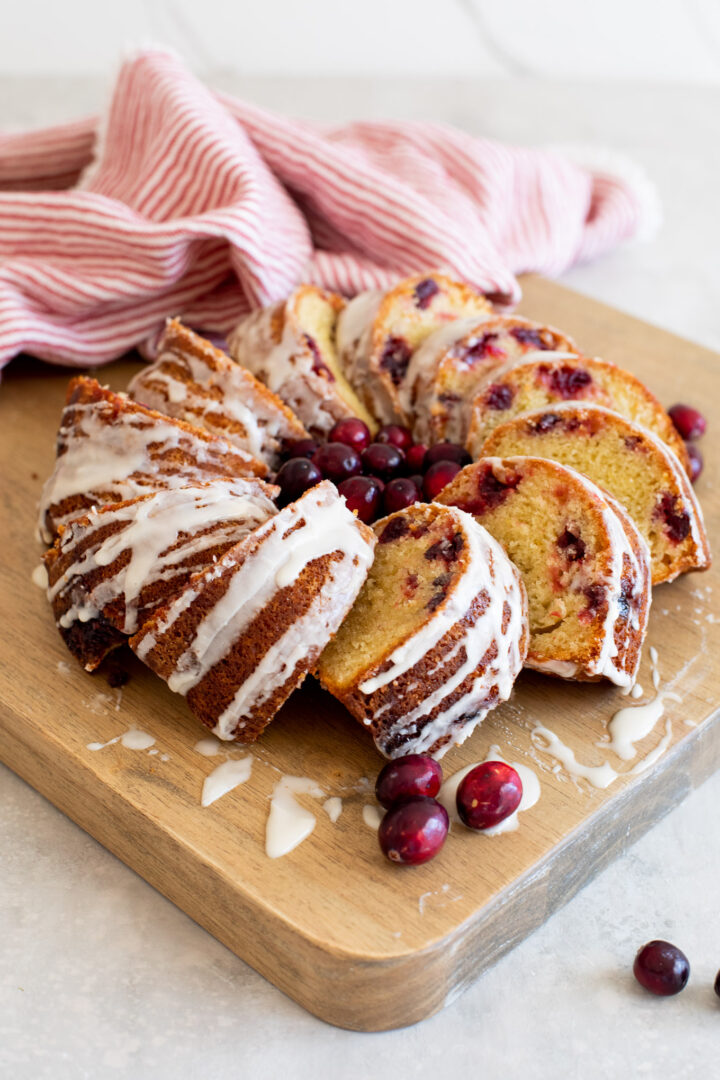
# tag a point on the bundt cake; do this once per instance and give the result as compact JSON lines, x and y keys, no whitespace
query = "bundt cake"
{"x":436,"y":637}
{"x":585,"y":566}
{"x":245,"y":632}
{"x":108,"y":570}
{"x":444,"y":374}
{"x":536,"y":381}
{"x":625,"y":459}
{"x":193,"y":381}
{"x":290,"y":347}
{"x":378,"y":332}
{"x":110,"y":449}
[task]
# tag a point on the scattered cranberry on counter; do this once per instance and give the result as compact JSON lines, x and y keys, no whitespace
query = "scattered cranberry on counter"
{"x":301,"y":448}
{"x":351,"y":431}
{"x":717,"y":984}
{"x":383,"y":460}
{"x":418,"y":481}
{"x":696,"y":461}
{"x":295,"y":477}
{"x":406,"y":776}
{"x":661,"y":968}
{"x":488,"y":794}
{"x":395,"y":435}
{"x":399,"y":494}
{"x":413,"y":831}
{"x":415,"y":457}
{"x":337,"y":461}
{"x":363,"y":495}
{"x":439,"y":476}
{"x":690,"y":423}
{"x":447,"y":451}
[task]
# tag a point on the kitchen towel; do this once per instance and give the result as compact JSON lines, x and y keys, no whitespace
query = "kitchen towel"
{"x":180,"y":201}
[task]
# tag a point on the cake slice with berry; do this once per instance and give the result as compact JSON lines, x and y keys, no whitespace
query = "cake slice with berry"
{"x":379,"y":332}
{"x":110,"y":449}
{"x":290,"y":347}
{"x":628,"y":461}
{"x":109,"y":569}
{"x":585,"y":566}
{"x":446,"y":371}
{"x":193,"y":381}
{"x":537,"y":380}
{"x":436,"y":637}
{"x":245,"y":632}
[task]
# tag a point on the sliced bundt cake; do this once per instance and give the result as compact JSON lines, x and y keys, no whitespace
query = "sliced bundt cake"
{"x":245,"y":632}
{"x":585,"y":566}
{"x":290,"y":347}
{"x":378,"y":333}
{"x":109,"y":569}
{"x":537,"y":381}
{"x":437,"y":635}
{"x":625,"y":459}
{"x":192,"y":380}
{"x":110,"y":449}
{"x":445,"y":372}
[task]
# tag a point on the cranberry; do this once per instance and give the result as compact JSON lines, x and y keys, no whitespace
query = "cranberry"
{"x":351,"y":431}
{"x":415,"y":457}
{"x":395,"y":358}
{"x":337,"y":461}
{"x":383,"y":460}
{"x":318,"y":364}
{"x":424,"y":292}
{"x":689,"y":422}
{"x":395,"y":435}
{"x":363,"y":495}
{"x":696,"y":461}
{"x":499,"y":397}
{"x":488,"y":794}
{"x":717,"y":984}
{"x":525,"y":335}
{"x":396,"y":528}
{"x":568,"y":381}
{"x":677,"y":521}
{"x":485,"y":346}
{"x":572,"y":546}
{"x":295,"y":477}
{"x":301,"y":448}
{"x":447,"y":451}
{"x":661,"y":968}
{"x":399,"y":494}
{"x":413,"y":831}
{"x":406,"y":776}
{"x":439,"y":476}
{"x":418,"y":482}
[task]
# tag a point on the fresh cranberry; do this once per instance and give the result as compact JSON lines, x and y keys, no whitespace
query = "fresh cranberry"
{"x":383,"y":460}
{"x":424,"y":292}
{"x":337,"y":461}
{"x":406,"y":776}
{"x":363,"y":495}
{"x":447,"y":451}
{"x":301,"y":448}
{"x":395,"y":358}
{"x":417,"y":480}
{"x":488,"y":794}
{"x":395,"y":435}
{"x":351,"y":431}
{"x":689,"y":422}
{"x":696,"y":461}
{"x":415,"y":457}
{"x":413,"y":831}
{"x":661,"y":968}
{"x":399,"y":494}
{"x":499,"y":397}
{"x":439,"y":476}
{"x":295,"y":477}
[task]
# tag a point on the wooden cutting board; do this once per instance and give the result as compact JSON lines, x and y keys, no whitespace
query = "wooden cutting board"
{"x":357,"y":941}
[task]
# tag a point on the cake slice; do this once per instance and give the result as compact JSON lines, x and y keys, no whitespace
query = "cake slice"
{"x":245,"y":632}
{"x":193,"y":381}
{"x":446,"y":371}
{"x":108,"y":570}
{"x":539,"y":380}
{"x":290,"y":347}
{"x":585,"y":566}
{"x":436,"y":637}
{"x":628,"y":461}
{"x":378,"y":333}
{"x":110,"y":449}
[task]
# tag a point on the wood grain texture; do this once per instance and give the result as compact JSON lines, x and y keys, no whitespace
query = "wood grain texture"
{"x":359,"y":942}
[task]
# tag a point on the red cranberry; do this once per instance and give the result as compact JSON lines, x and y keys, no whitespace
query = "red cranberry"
{"x":447,"y":451}
{"x":301,"y":448}
{"x":717,"y":984}
{"x":525,"y":335}
{"x":352,"y":432}
{"x":689,"y":422}
{"x":677,"y":521}
{"x":295,"y":477}
{"x":413,"y":831}
{"x":363,"y":495}
{"x":488,"y":794}
{"x":415,"y":457}
{"x":399,"y":494}
{"x":424,"y":292}
{"x":417,"y":480}
{"x":696,"y":461}
{"x":661,"y":968}
{"x":499,"y":397}
{"x":383,"y":460}
{"x":395,"y":358}
{"x":318,"y":364}
{"x":396,"y":435}
{"x":406,"y":776}
{"x":439,"y":476}
{"x":568,"y":381}
{"x":337,"y":461}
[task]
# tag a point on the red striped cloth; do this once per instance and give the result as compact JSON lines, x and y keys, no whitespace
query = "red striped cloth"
{"x":184,"y":202}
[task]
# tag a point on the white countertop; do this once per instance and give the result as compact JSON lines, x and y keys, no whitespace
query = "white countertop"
{"x":102,"y":977}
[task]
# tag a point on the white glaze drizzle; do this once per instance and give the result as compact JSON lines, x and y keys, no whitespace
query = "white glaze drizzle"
{"x":333,"y":807}
{"x":209,"y":747}
{"x":224,"y":778}
{"x":289,"y":823}
{"x":39,"y":576}
{"x":531,"y":791}
{"x":372,"y":815}
{"x":600,"y":776}
{"x":134,"y":739}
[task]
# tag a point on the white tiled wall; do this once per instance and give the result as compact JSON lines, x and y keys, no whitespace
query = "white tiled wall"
{"x":667,"y":40}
